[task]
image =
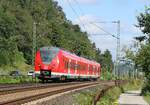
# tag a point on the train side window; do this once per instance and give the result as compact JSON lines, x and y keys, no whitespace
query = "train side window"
{"x":91,"y":68}
{"x":66,"y":64}
{"x":98,"y":69}
{"x":76,"y":67}
{"x":79,"y":67}
{"x":84,"y":67}
{"x":72,"y":65}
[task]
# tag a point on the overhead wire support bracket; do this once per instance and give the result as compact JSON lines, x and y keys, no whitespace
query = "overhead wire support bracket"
{"x":104,"y":30}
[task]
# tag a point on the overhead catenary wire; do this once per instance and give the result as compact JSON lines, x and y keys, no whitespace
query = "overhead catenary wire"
{"x":76,"y":14}
{"x":104,"y":30}
{"x":79,"y":7}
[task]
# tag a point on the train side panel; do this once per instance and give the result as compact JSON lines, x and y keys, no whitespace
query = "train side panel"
{"x":65,"y":64}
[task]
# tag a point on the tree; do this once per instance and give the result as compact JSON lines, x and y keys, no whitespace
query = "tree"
{"x":17,"y":18}
{"x":107,"y":60}
{"x":143,"y":55}
{"x":144,"y":22}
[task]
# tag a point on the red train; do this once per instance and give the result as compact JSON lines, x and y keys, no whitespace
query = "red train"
{"x":55,"y":63}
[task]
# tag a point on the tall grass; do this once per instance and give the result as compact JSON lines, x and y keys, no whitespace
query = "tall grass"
{"x":147,"y":97}
{"x":110,"y":98}
{"x":17,"y":79}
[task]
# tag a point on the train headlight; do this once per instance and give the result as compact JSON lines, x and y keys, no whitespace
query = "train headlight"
{"x":57,"y":60}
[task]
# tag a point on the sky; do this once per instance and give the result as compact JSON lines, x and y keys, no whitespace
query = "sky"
{"x":88,"y":14}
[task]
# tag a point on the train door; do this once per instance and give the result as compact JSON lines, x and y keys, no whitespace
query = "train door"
{"x":65,"y":65}
{"x":88,"y":70}
{"x":69,"y":67}
{"x":72,"y":67}
{"x":76,"y":71}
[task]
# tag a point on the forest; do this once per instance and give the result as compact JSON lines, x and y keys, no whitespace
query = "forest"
{"x":18,"y":19}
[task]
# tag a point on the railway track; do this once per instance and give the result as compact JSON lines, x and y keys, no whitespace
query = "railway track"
{"x":30,"y":94}
{"x":25,"y":87}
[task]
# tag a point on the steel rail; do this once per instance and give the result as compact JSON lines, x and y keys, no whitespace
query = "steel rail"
{"x":29,"y":88}
{"x":42,"y":95}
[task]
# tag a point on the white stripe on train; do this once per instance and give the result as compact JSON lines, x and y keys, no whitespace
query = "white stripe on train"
{"x":68,"y":74}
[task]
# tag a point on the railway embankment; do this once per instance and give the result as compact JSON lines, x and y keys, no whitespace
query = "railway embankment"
{"x":82,"y":96}
{"x":102,"y":93}
{"x":31,"y":94}
{"x":109,"y":97}
{"x":49,"y":95}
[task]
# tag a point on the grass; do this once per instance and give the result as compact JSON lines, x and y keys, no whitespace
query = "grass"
{"x":110,"y":98}
{"x":147,"y":97}
{"x":112,"y":95}
{"x":133,"y":85}
{"x":16,"y":79}
{"x":21,"y":67}
{"x":85,"y":97}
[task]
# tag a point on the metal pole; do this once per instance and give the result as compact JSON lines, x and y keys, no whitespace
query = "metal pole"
{"x":116,"y":70}
{"x":118,"y":48}
{"x":34,"y":43}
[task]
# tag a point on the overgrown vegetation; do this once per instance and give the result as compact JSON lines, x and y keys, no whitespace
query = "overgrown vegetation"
{"x":18,"y":19}
{"x":133,"y":85}
{"x":110,"y":98}
{"x":17,"y":79}
{"x":147,"y":97}
{"x":112,"y":95}
{"x":141,"y":55}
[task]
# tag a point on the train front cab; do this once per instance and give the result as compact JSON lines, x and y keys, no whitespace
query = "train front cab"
{"x":47,"y":61}
{"x":45,"y":75}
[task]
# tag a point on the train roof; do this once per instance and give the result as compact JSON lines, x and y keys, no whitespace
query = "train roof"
{"x":73,"y":56}
{"x":67,"y":53}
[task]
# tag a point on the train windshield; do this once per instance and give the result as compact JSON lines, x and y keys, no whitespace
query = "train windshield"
{"x":47,"y":54}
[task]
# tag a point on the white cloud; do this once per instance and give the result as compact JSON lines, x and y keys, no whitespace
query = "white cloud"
{"x":102,"y":41}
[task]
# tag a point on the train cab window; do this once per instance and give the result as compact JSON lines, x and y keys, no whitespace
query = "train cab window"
{"x":48,"y":53}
